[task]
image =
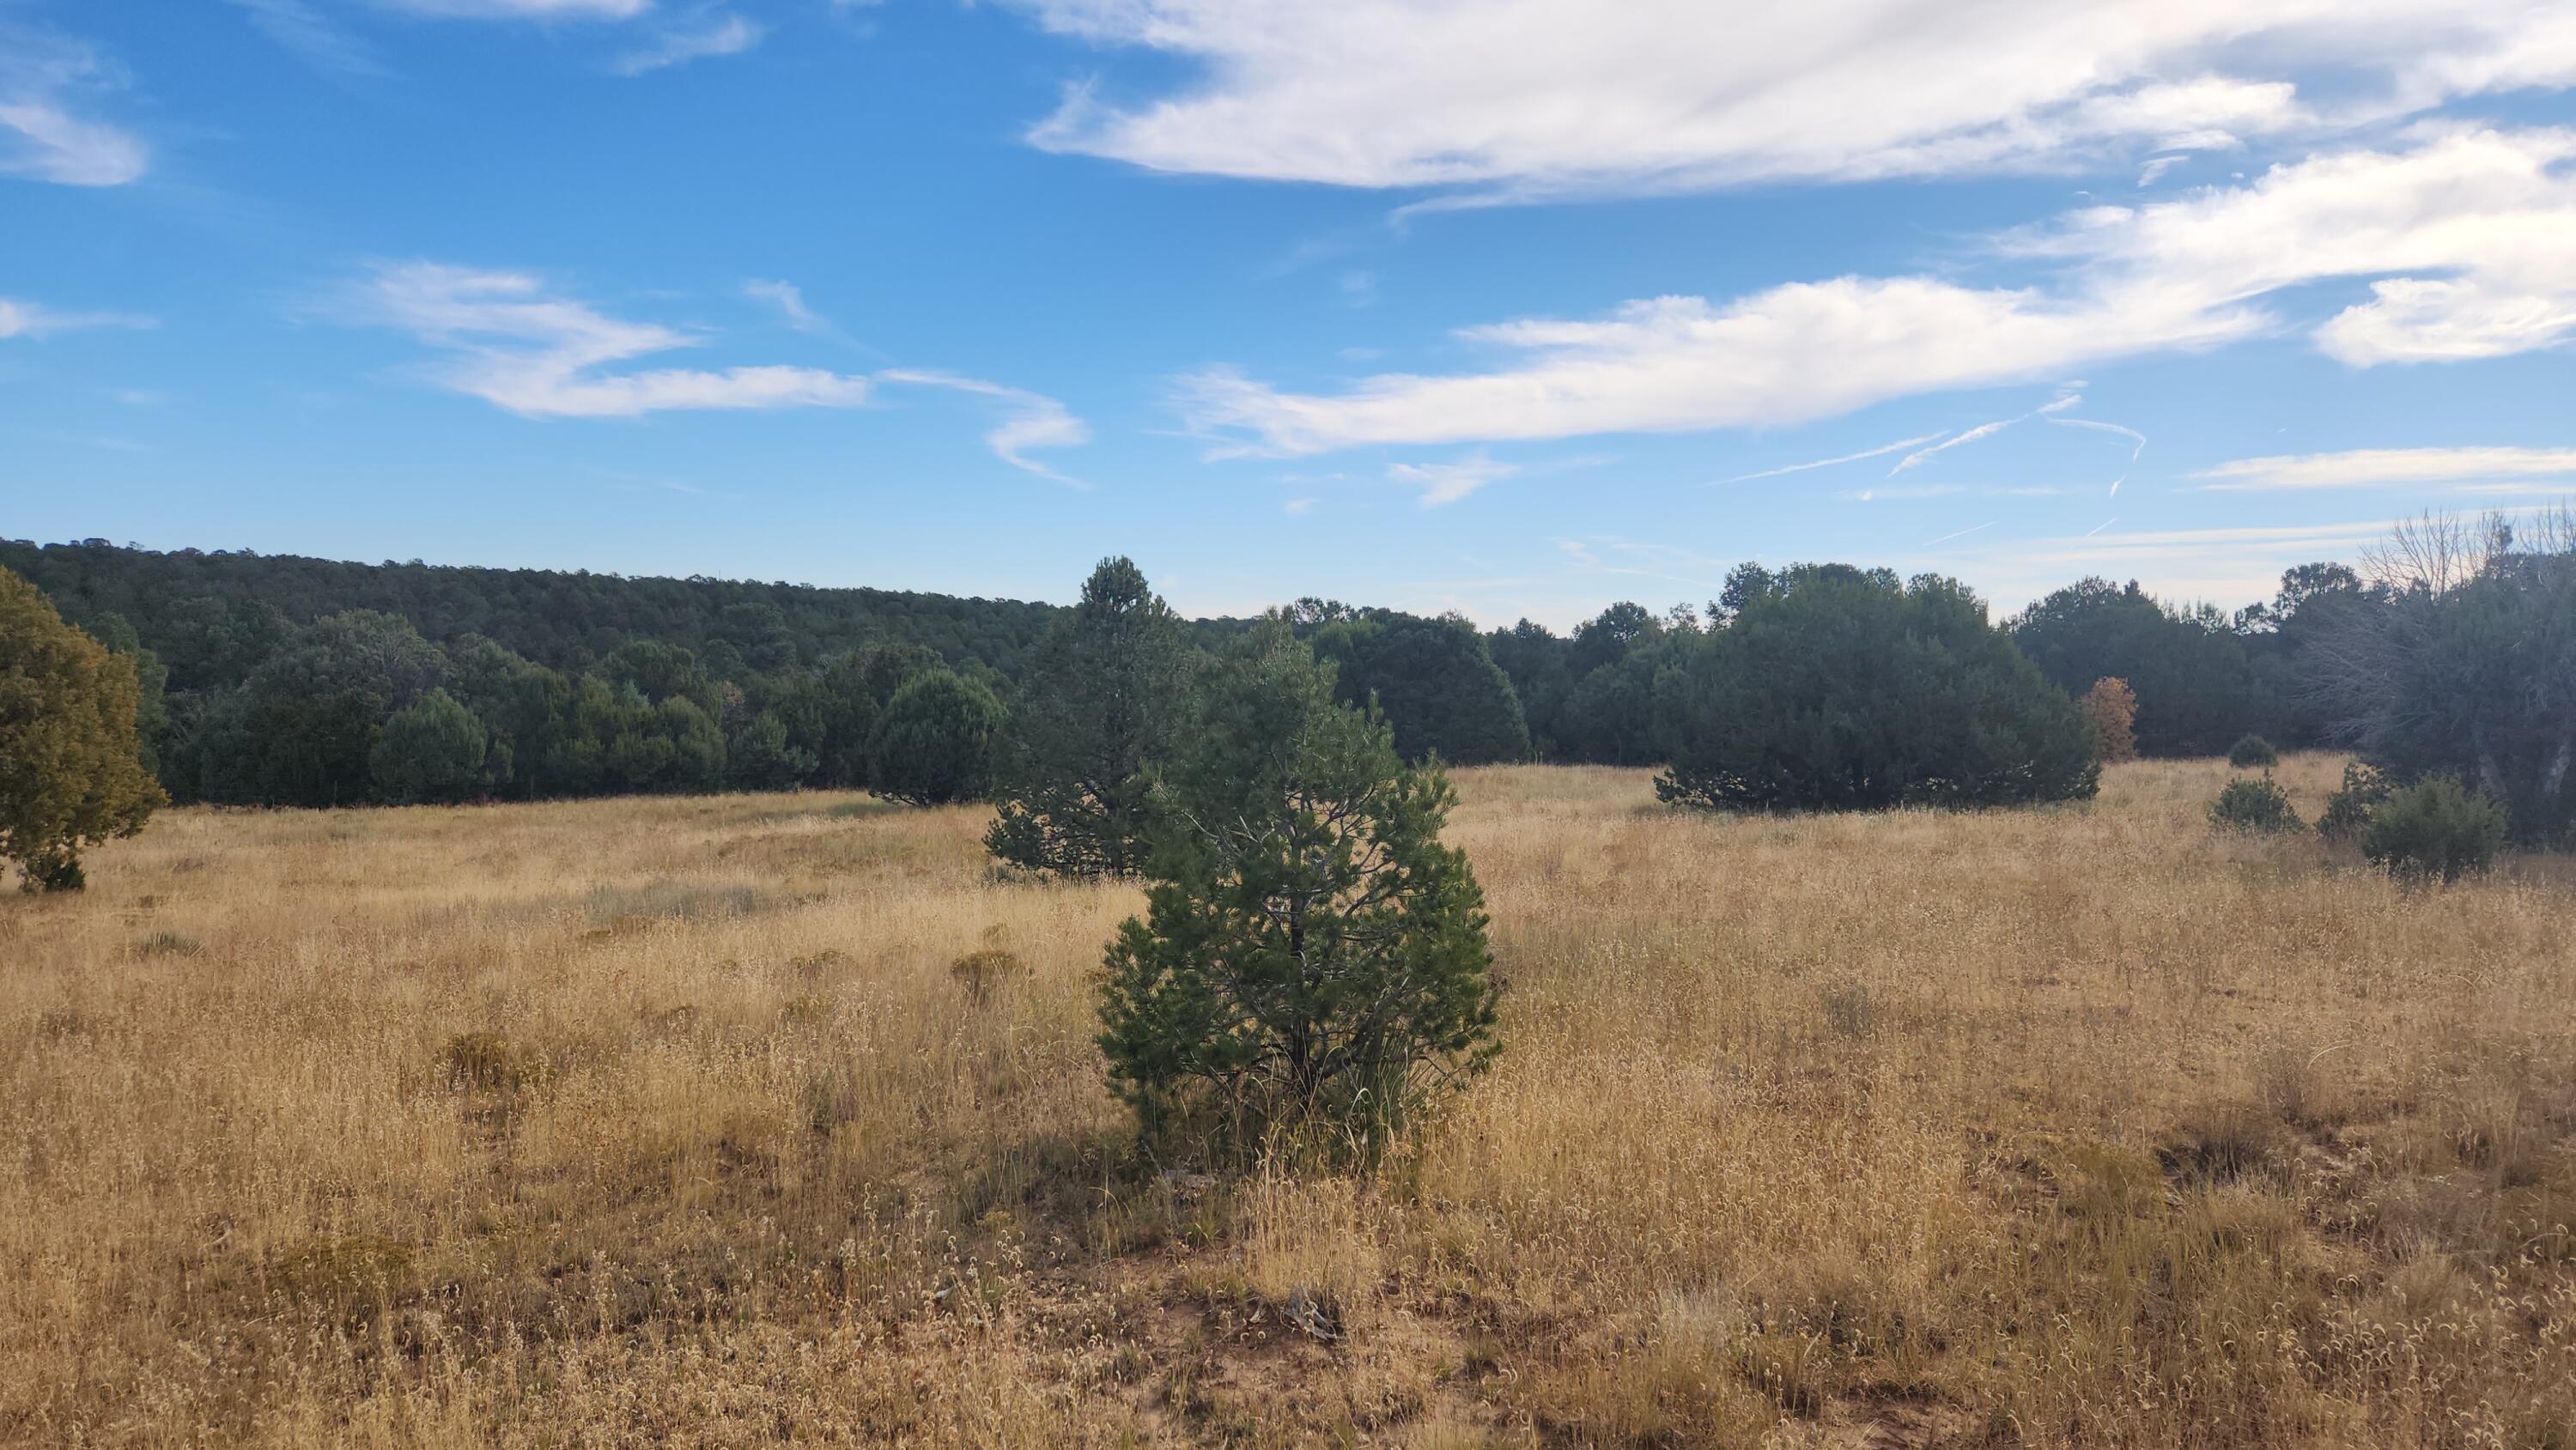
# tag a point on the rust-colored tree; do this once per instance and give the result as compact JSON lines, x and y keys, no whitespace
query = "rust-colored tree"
{"x":2113,"y":708}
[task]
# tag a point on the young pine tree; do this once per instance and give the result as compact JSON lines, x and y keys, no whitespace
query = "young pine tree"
{"x":1097,"y":711}
{"x":1311,"y":956}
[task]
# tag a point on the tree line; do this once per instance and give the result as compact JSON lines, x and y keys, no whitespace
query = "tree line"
{"x":285,"y":681}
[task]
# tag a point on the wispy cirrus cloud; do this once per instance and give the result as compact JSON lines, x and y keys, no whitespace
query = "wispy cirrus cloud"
{"x":54,"y":145}
{"x":1030,"y":421}
{"x":29,"y":319}
{"x":524,"y":9}
{"x":47,"y":86}
{"x":1800,"y":351}
{"x":1916,"y":458}
{"x":515,"y":345}
{"x":1879,"y":452}
{"x":789,"y":299}
{"x":1449,"y":482}
{"x":512,"y":341}
{"x":1883,"y":493}
{"x":1958,"y":534}
{"x":321,"y":42}
{"x":2387,"y":468}
{"x":2058,"y":404}
{"x":2121,"y":430}
{"x":2478,"y":217}
{"x":715,"y":35}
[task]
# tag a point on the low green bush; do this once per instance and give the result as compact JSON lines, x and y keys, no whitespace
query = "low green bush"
{"x":2257,"y":806}
{"x":2436,"y":829}
{"x":2347,"y":813}
{"x":2253,"y":752}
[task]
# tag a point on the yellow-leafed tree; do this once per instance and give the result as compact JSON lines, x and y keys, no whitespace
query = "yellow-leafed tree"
{"x":71,"y":765}
{"x":2113,"y":708}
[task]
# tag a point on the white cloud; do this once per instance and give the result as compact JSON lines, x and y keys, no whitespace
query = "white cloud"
{"x":2476,"y":220}
{"x":1555,"y":96}
{"x":1033,"y":420}
{"x":2490,"y":211}
{"x":46,"y":82}
{"x":1449,"y":482}
{"x":29,"y":319}
{"x":724,"y":35}
{"x":300,"y":28}
{"x":2386,"y":467}
{"x":53,"y":145}
{"x":517,"y":347}
{"x":1679,"y":364}
{"x":524,"y":9}
{"x":2418,"y":319}
{"x":789,"y":299}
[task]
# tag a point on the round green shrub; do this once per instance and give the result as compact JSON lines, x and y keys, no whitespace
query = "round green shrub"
{"x":935,"y":743}
{"x":2257,"y":806}
{"x":2347,"y":813}
{"x":2436,"y":829}
{"x":2253,"y":753}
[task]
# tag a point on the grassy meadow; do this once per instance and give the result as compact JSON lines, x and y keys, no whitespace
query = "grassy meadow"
{"x":743,"y":1119}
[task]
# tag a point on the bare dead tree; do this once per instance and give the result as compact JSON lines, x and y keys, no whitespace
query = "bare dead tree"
{"x":2461,"y":656}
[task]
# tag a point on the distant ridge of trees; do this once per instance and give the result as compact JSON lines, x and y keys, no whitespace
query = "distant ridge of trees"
{"x":277,"y":679}
{"x":210,"y":615}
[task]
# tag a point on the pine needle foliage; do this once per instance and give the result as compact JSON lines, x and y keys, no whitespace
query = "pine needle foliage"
{"x":1312,"y":960}
{"x":1835,"y":689}
{"x":1095,"y":715}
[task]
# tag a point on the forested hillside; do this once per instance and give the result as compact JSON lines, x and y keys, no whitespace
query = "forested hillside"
{"x":208,"y":615}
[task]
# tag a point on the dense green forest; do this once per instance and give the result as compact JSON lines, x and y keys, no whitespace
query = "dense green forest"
{"x":273,"y":679}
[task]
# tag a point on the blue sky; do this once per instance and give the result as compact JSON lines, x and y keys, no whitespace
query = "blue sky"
{"x":1514,"y":309}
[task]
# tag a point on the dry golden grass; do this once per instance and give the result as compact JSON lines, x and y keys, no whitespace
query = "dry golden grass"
{"x":704,"y":1121}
